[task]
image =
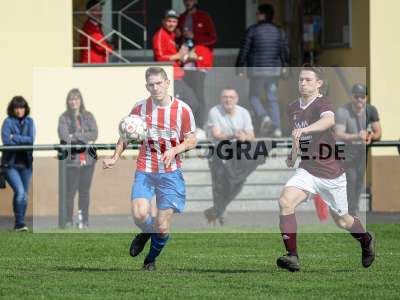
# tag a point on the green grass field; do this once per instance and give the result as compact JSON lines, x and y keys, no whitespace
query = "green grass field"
{"x":206,"y":266}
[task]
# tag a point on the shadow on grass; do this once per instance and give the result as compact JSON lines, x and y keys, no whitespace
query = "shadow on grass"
{"x":220,"y":271}
{"x":91,"y":269}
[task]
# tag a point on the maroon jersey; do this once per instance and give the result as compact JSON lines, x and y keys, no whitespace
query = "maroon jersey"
{"x":318,"y":151}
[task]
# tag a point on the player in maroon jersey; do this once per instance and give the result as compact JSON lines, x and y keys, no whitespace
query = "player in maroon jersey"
{"x":320,"y":171}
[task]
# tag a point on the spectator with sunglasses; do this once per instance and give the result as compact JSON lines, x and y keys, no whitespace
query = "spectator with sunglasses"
{"x":357,"y":124}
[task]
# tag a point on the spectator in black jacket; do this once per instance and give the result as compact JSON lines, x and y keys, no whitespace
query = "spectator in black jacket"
{"x":264,"y":52}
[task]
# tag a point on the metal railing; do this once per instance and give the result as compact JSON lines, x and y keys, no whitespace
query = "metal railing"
{"x":64,"y":150}
{"x":88,"y":48}
{"x":202,"y":144}
{"x":121,"y":14}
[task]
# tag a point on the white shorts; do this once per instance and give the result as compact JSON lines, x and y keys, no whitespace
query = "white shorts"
{"x":332,"y":191}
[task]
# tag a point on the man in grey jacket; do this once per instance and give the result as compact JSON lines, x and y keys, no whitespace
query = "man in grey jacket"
{"x":264,"y":52}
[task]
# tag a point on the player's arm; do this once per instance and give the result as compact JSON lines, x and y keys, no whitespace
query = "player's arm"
{"x":189,"y":142}
{"x":119,"y":149}
{"x":292,"y":157}
{"x":326,"y":121}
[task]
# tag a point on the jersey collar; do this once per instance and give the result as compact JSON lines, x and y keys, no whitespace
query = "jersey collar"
{"x":301,"y":100}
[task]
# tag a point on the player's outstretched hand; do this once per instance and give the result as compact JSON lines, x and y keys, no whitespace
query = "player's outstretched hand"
{"x":168,"y":156}
{"x":109,"y":163}
{"x":289,"y":163}
{"x":296,"y":135}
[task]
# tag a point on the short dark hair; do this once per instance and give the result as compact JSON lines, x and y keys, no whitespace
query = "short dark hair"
{"x":229,"y":88}
{"x":156,"y":71}
{"x":318,"y":70}
{"x":93,"y":3}
{"x":72,"y":94}
{"x":267,"y":10}
{"x":18,"y":102}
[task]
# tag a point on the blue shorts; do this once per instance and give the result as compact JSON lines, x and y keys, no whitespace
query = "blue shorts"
{"x":169,"y":189}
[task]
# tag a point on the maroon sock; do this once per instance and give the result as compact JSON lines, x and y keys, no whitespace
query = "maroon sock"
{"x":358,"y":232}
{"x":288,"y":226}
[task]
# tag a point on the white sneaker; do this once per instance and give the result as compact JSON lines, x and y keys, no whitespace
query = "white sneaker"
{"x":21,"y":228}
{"x":277,"y":133}
{"x":266,"y":124}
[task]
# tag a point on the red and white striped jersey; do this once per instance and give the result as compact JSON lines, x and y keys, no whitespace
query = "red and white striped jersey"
{"x":167,"y":127}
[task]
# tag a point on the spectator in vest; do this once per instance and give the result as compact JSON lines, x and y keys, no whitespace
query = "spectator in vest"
{"x":18,"y":129}
{"x":196,"y":29}
{"x":98,"y":52}
{"x":78,"y":126}
{"x":357,"y":124}
{"x":166,"y":49}
{"x":264,"y":51}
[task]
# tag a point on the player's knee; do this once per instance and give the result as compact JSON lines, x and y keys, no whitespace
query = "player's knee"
{"x":285,"y":203}
{"x":140,"y":215}
{"x":139,"y":212}
{"x":343,"y":223}
{"x":162,"y":228}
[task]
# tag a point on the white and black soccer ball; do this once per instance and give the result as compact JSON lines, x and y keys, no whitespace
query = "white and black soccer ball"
{"x":132,"y":128}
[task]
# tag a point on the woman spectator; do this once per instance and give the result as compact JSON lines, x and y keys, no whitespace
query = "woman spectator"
{"x":18,"y":129}
{"x":78,"y":126}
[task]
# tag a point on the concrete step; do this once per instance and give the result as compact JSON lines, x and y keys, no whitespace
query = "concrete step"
{"x":259,"y":176}
{"x":248,"y":192}
{"x":198,"y":164}
{"x":238,"y":205}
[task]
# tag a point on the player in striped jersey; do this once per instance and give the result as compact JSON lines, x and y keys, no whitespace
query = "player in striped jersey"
{"x":171,"y":129}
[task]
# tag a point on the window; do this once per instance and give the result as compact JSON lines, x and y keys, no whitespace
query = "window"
{"x":336,"y":23}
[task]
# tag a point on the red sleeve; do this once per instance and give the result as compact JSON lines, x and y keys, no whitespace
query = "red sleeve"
{"x":136,"y":110}
{"x":98,"y":36}
{"x":158,"y":48}
{"x":208,"y":36}
{"x":188,"y":123}
{"x":95,"y":33}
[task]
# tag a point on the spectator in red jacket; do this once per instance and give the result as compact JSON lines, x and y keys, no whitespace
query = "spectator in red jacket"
{"x":196,"y":25}
{"x":166,"y":49}
{"x":97,"y":53}
{"x":197,"y":31}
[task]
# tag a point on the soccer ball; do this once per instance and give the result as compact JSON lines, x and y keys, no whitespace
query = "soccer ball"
{"x":132,"y":128}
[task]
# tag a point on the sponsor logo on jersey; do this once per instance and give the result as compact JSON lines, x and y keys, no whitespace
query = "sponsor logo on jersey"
{"x":301,"y":124}
{"x":162,"y":133}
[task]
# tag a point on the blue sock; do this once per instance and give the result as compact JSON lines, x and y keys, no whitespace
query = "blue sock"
{"x":147,"y":225}
{"x":157,"y":244}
